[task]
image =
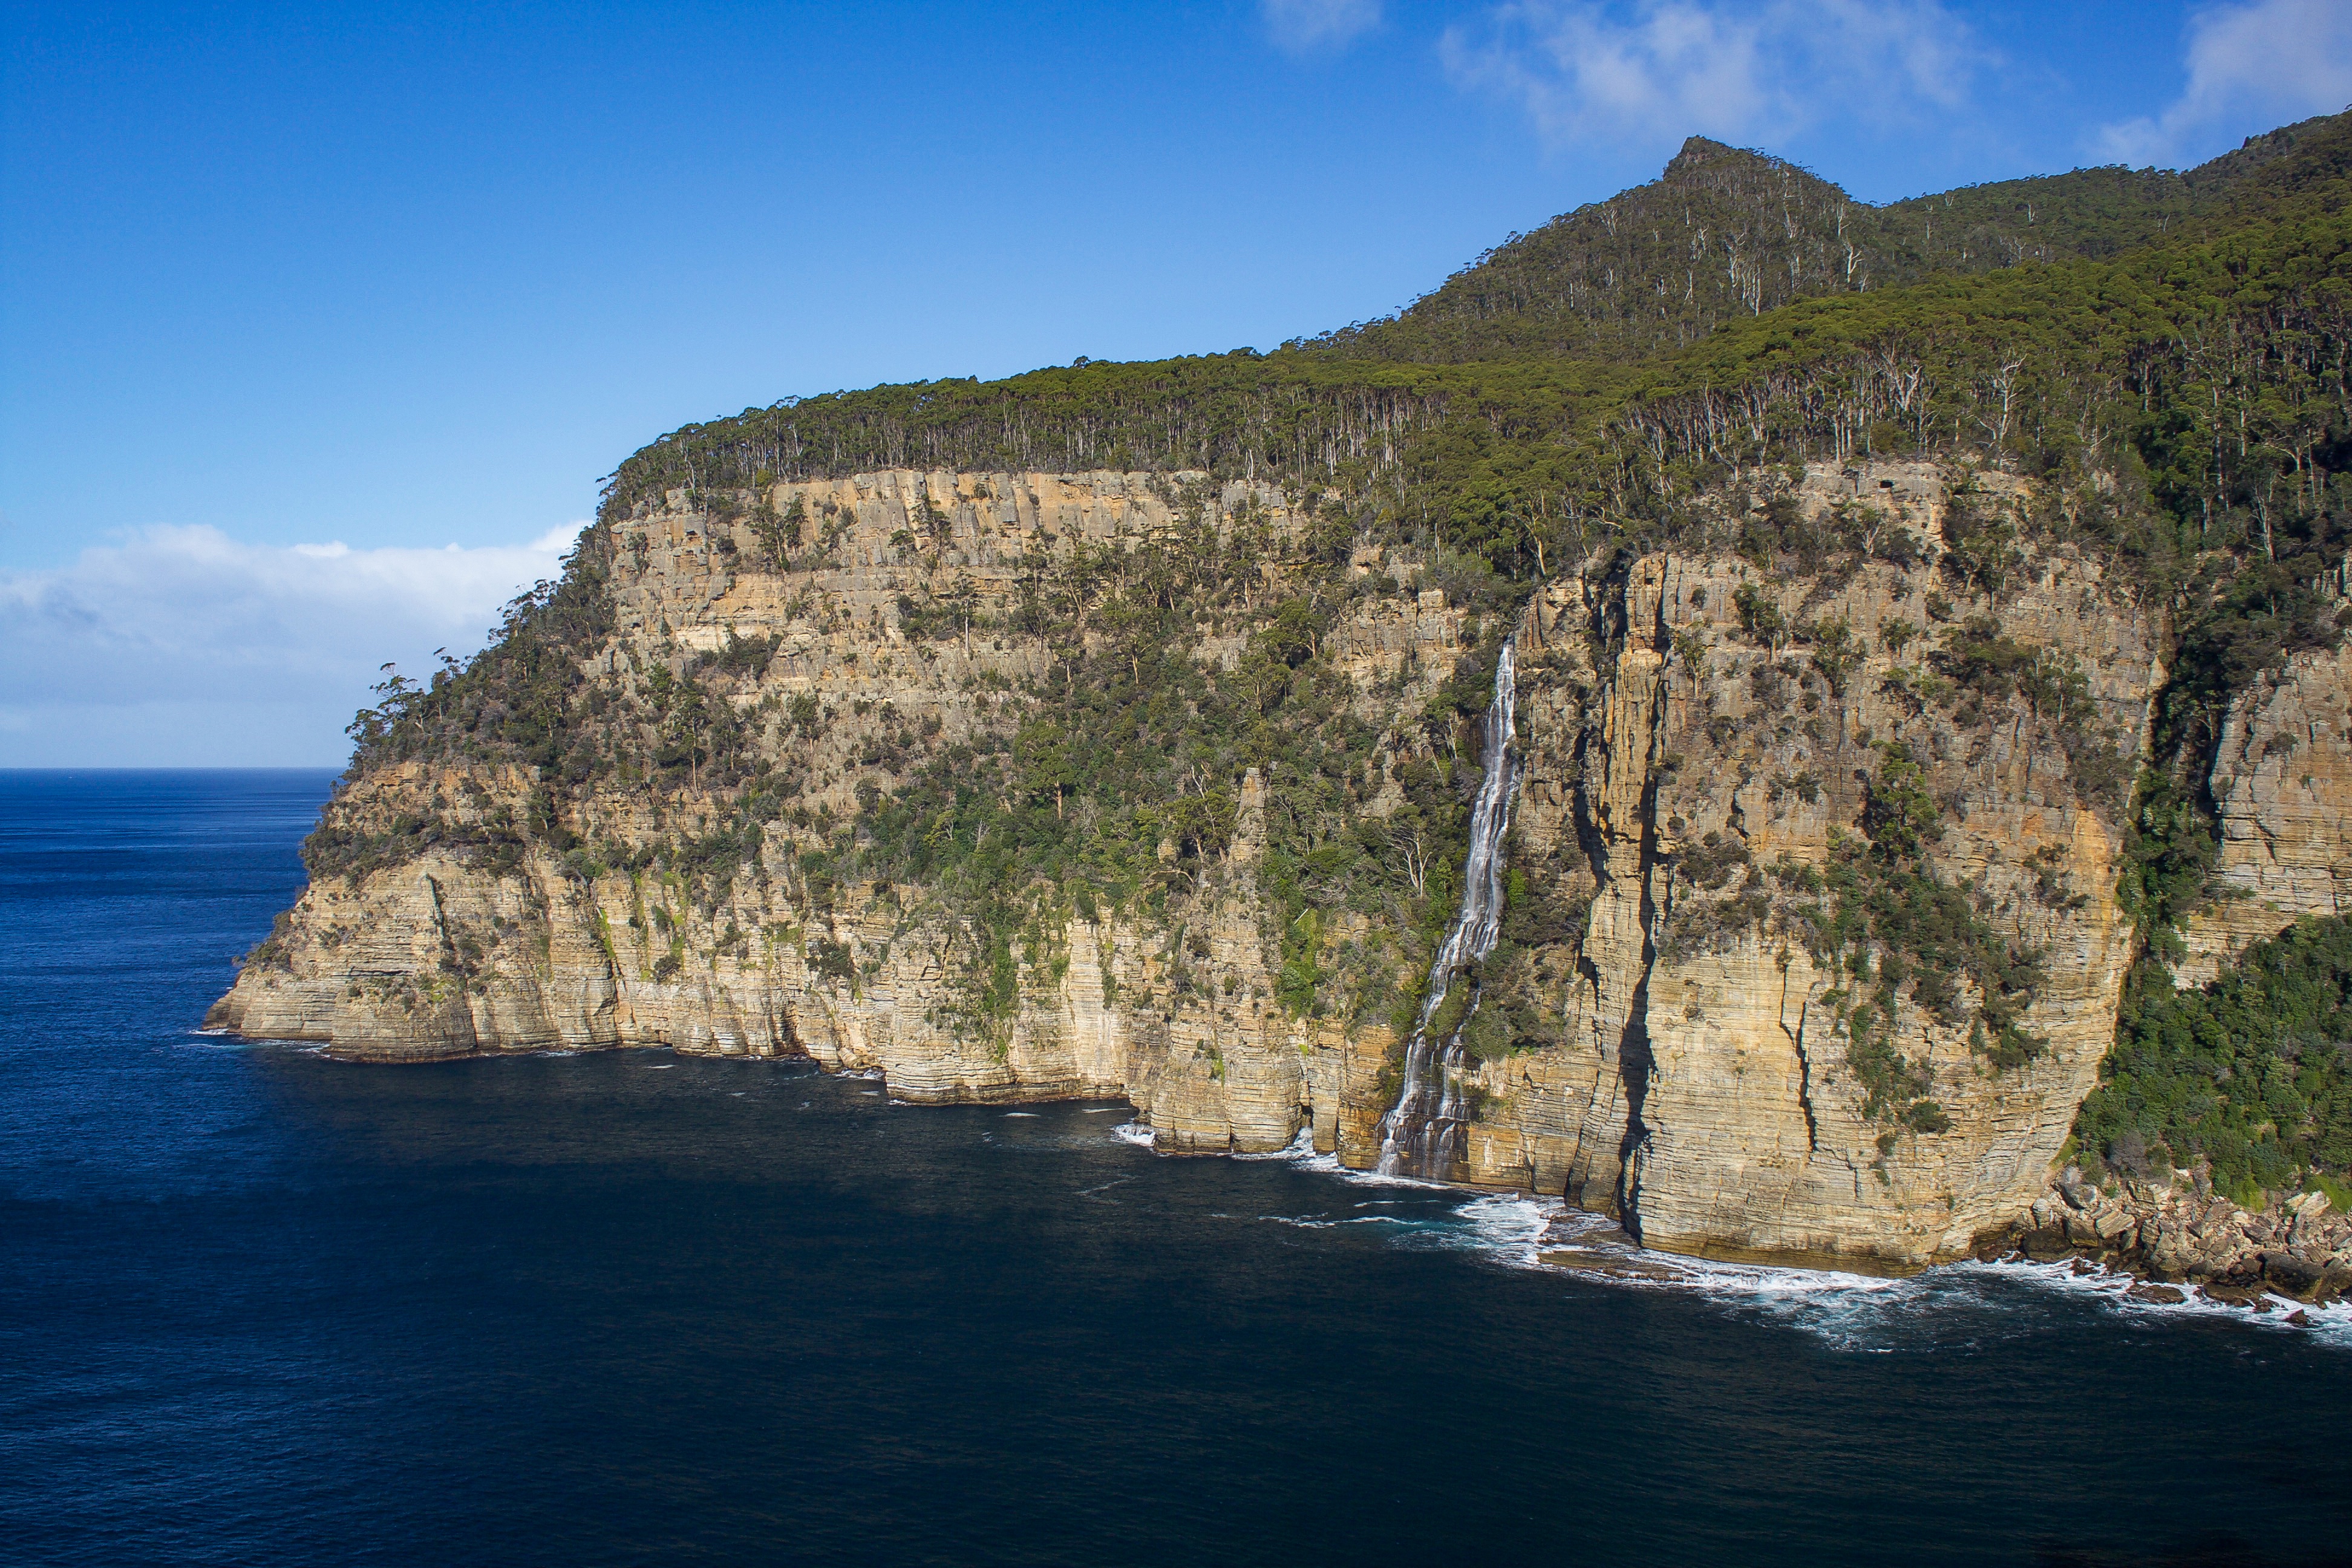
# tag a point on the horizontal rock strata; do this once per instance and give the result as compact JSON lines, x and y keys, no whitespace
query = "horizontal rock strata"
{"x":1694,"y":741}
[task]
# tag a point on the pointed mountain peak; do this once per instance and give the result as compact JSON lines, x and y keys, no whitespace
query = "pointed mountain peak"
{"x":1702,"y":158}
{"x":1697,"y":150}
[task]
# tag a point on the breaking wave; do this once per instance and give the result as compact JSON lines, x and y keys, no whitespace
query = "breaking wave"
{"x":1952,"y":1306}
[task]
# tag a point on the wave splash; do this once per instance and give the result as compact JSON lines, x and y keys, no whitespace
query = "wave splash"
{"x":1952,"y":1306}
{"x":1956,"y":1306}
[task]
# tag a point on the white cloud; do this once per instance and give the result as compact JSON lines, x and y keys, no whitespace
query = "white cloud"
{"x":2263,"y":64}
{"x":1651,"y":73}
{"x":1314,"y":23}
{"x":183,"y":646}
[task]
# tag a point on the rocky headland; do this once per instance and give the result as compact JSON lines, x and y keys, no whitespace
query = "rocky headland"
{"x":1703,"y":749}
{"x":1929,"y":735}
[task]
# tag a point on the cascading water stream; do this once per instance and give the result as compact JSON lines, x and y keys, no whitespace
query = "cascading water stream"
{"x":1419,"y":1134}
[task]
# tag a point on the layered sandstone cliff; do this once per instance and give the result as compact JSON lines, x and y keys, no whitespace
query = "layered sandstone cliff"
{"x":432,"y":958}
{"x":1697,"y":734}
{"x":1703,"y":1084}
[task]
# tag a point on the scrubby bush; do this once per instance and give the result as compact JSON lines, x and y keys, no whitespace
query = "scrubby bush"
{"x":2252,"y":1072}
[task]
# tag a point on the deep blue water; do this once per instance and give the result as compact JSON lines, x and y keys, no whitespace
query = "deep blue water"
{"x":256,"y":1307}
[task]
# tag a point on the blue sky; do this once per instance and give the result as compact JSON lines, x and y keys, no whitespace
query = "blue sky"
{"x":319,"y":327}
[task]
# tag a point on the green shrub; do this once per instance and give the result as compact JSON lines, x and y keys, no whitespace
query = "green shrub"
{"x":2253,"y":1072}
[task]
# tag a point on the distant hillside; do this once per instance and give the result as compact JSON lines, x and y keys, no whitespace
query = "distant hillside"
{"x":1724,"y":235}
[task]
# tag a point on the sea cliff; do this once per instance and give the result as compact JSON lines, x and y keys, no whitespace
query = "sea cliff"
{"x":1814,"y":948}
{"x":1931,"y":737}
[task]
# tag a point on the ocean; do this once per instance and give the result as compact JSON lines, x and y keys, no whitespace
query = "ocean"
{"x":258,"y":1307}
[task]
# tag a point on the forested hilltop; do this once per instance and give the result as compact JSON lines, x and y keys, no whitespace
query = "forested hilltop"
{"x":2145,"y":372}
{"x":2044,"y":320}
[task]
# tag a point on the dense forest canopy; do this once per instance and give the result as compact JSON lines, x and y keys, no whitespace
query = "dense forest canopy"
{"x":2169,"y":353}
{"x":2183,"y":332}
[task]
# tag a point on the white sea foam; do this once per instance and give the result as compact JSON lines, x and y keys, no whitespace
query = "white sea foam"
{"x":2113,"y":1291}
{"x":1103,"y":1110}
{"x":1329,"y":1164}
{"x":660,"y":1066}
{"x":1952,"y":1306}
{"x":1298,"y":1151}
{"x":1011,"y":1114}
{"x":1506,"y":1225}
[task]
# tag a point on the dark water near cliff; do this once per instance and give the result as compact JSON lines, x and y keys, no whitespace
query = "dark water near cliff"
{"x":259,"y":1308}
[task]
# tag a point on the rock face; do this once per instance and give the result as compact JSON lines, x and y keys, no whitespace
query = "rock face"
{"x":435,"y":957}
{"x":1706,"y":751}
{"x":2283,"y":788}
{"x":1704,"y":1086}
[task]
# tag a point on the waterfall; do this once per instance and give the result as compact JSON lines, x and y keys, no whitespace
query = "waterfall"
{"x":1419,"y":1134}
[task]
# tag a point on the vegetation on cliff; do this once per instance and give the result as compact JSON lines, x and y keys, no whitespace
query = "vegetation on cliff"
{"x":1113,"y":779}
{"x":520,"y":700}
{"x":2253,"y":1073}
{"x":1898,"y":931}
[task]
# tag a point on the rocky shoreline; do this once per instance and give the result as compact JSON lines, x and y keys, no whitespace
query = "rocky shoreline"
{"x":2180,"y":1238}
